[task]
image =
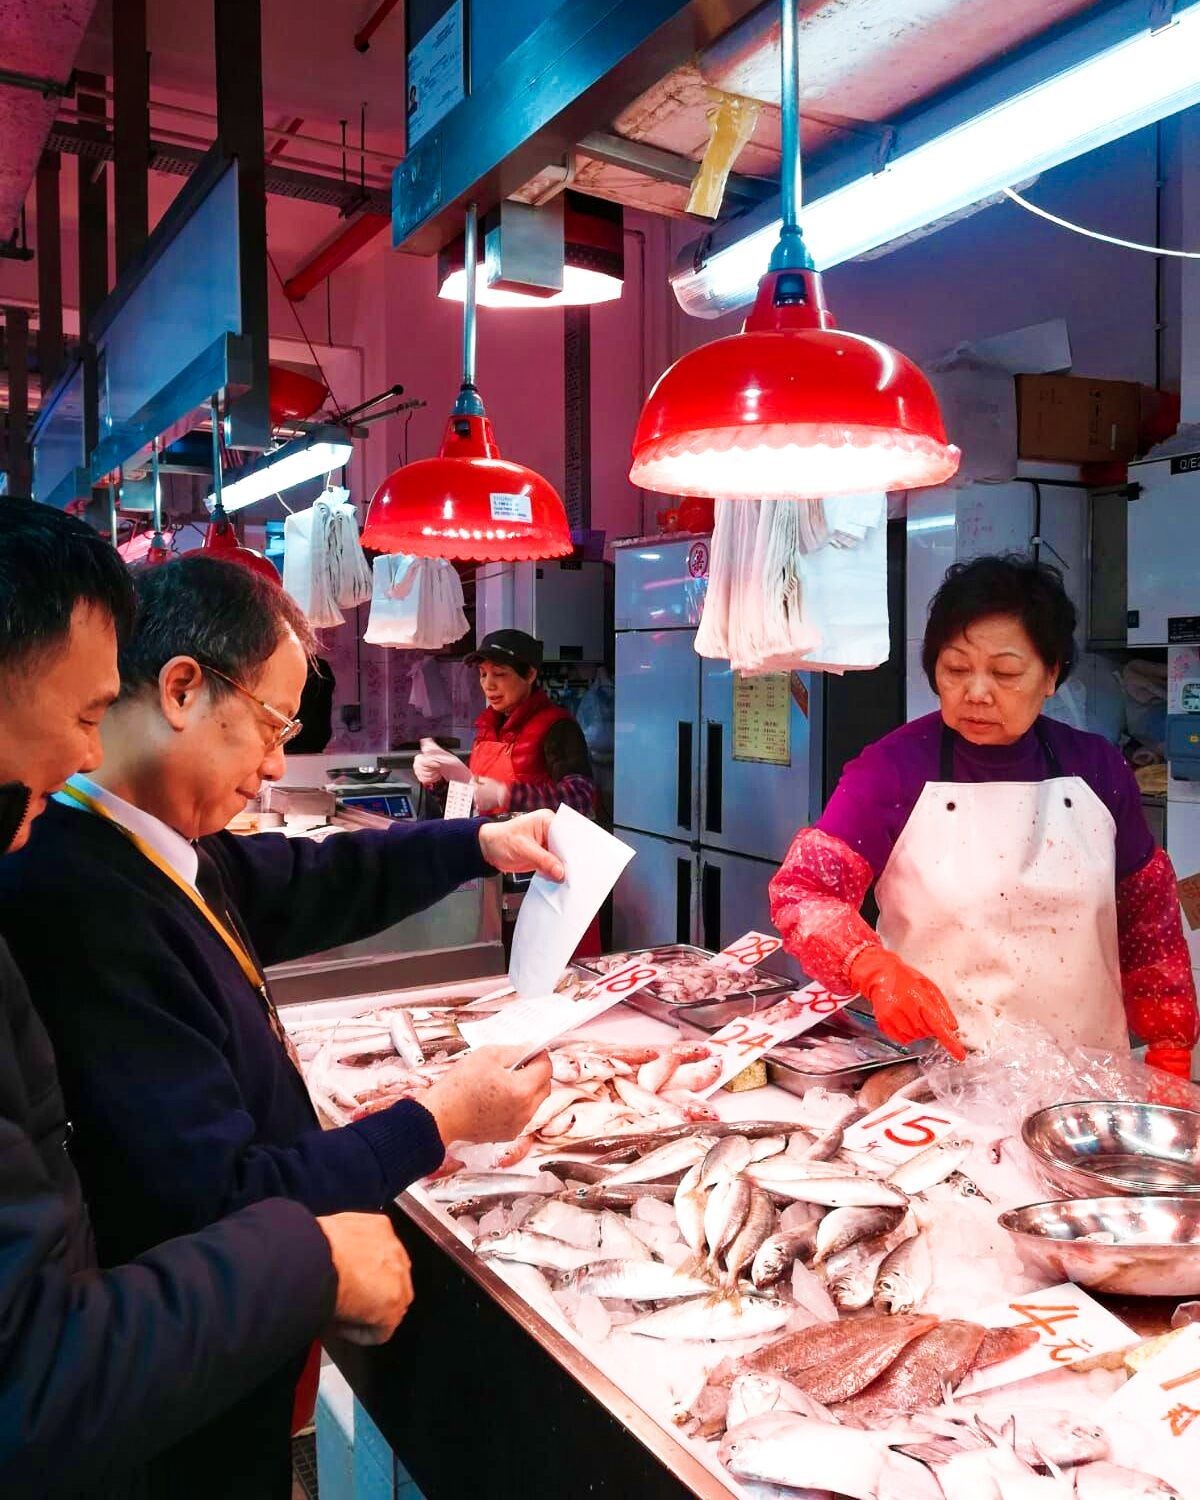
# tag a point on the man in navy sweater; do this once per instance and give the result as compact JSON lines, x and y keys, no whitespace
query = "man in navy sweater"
{"x":98,"y":1370}
{"x":185,"y":1100}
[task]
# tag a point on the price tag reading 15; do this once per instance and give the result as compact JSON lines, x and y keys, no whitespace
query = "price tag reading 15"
{"x":896,"y":1132}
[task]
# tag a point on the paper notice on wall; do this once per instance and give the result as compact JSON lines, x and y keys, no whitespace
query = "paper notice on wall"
{"x":554,"y":916}
{"x":762,"y":718}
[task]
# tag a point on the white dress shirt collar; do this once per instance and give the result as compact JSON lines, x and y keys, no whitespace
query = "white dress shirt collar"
{"x":169,"y":845}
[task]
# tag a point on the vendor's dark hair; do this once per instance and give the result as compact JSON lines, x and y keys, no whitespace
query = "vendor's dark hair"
{"x":49,"y":563}
{"x":217,"y":612}
{"x":1007,"y":584}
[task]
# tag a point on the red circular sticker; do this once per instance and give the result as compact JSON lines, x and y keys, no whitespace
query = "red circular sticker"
{"x":698,"y":560}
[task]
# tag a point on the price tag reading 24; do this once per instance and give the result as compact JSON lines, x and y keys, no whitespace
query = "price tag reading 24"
{"x":744,"y":1041}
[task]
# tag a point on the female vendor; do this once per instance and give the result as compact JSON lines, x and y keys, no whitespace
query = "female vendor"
{"x":1013,"y":867}
{"x":528,"y":752}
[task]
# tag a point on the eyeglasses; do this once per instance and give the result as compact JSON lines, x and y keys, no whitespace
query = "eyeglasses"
{"x":287,"y":729}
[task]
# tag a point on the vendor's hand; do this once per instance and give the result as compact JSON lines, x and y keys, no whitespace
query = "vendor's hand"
{"x":374,"y":1276}
{"x":491,"y":796}
{"x":482,"y":1098}
{"x":908,"y":1007}
{"x":1176,"y":1060}
{"x":518,"y":846}
{"x":428,"y":770}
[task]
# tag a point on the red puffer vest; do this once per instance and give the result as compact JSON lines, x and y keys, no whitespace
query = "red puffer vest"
{"x":510,"y":749}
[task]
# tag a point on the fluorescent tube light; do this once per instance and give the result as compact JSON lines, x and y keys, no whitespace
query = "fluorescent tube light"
{"x":309,"y":457}
{"x":1122,"y":87}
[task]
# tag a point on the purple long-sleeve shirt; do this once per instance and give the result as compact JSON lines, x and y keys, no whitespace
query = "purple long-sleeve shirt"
{"x":878,"y":791}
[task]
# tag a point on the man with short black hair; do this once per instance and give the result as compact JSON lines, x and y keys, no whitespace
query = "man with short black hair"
{"x":176,"y":1067}
{"x":98,"y":1371}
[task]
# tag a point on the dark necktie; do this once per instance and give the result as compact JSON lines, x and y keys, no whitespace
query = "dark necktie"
{"x":212,"y":889}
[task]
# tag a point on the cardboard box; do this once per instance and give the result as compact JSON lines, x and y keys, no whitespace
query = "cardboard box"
{"x":1071,"y":419}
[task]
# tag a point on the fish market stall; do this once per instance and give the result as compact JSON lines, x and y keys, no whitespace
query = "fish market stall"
{"x":666,"y":1291}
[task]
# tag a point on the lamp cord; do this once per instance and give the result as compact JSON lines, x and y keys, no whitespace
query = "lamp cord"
{"x":296,"y":314}
{"x":1094,"y":234}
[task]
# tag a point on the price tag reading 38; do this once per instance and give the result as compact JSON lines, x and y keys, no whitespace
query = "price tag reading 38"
{"x":743,"y":1041}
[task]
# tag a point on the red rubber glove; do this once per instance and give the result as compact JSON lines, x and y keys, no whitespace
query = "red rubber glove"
{"x":907,"y":1006}
{"x":1177,"y":1060}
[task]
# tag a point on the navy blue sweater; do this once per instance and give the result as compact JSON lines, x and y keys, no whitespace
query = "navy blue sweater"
{"x":184,"y":1103}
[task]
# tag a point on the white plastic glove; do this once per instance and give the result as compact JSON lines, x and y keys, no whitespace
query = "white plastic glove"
{"x":491,"y":796}
{"x":428,"y":771}
{"x":434,"y":765}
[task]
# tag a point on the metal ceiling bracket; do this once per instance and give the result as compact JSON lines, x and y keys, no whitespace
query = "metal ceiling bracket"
{"x":1162,"y":14}
{"x":666,"y":166}
{"x":886,"y":148}
{"x":49,"y":88}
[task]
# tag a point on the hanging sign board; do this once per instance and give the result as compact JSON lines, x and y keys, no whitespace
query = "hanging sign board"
{"x":436,"y":66}
{"x":762,"y":718}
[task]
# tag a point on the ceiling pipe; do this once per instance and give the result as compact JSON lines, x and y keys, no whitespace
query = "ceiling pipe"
{"x":326,"y":261}
{"x":362,"y":37}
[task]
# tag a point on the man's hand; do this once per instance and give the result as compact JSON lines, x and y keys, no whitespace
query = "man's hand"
{"x":491,"y":796}
{"x":479,"y":1099}
{"x":374,"y":1276}
{"x":520,"y":845}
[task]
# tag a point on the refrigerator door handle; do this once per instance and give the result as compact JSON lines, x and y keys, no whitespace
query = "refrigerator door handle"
{"x":710,"y":906}
{"x":683,"y":900}
{"x":683,"y":774}
{"x":713,"y":808}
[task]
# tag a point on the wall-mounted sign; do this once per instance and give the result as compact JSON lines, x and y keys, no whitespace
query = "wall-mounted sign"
{"x":436,"y":65}
{"x":762,"y":718}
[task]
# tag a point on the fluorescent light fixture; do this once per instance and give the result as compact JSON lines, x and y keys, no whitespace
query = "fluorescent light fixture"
{"x":1131,"y":82}
{"x":317,"y":453}
{"x":581,"y":288}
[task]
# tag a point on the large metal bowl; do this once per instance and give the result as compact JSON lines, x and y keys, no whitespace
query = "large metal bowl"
{"x":1155,"y":1248}
{"x":1099,"y":1146}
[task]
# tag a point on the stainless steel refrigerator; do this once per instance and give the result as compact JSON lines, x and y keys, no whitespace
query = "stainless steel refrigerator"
{"x":709,"y":827}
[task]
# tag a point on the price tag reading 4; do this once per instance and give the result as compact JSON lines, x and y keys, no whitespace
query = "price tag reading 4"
{"x":749,"y":951}
{"x":742,"y":1042}
{"x":896,"y":1132}
{"x":1065,"y":1325}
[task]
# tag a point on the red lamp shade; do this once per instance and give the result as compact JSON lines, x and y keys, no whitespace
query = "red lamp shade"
{"x":468,"y":504}
{"x":291,"y":396}
{"x":221,"y":542}
{"x":791,"y":408}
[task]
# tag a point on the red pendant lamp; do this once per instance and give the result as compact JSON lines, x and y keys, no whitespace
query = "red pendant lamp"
{"x":468,"y":504}
{"x":220,"y":540}
{"x":791,"y":408}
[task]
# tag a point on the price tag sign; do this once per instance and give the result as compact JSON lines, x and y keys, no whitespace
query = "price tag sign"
{"x":744,"y":1041}
{"x":532,"y":1023}
{"x":897,"y":1132}
{"x":1070,"y":1326}
{"x":749,"y":951}
{"x":460,"y":799}
{"x":1154,"y":1419}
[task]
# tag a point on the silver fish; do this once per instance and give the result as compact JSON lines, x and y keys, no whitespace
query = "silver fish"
{"x":850,"y":1275}
{"x":479,"y":1186}
{"x":775,"y":1255}
{"x":759,"y":1221}
{"x":904,"y":1277}
{"x":1105,"y":1481}
{"x":664,"y":1161}
{"x":623,"y":1195}
{"x":575,"y":1171}
{"x":754,"y":1394}
{"x":844,"y":1227}
{"x":931,"y":1166}
{"x":841,"y":1190}
{"x":965,"y":1187}
{"x":724,"y":1214}
{"x":561,"y":1220}
{"x":534,"y":1250}
{"x":618,"y":1241}
{"x":634,"y":1281}
{"x":725,"y":1159}
{"x":825,"y":1147}
{"x":806,"y":1453}
{"x":767,"y":1145}
{"x":701,"y":1318}
{"x":689,"y":1212}
{"x":1039,"y":1434}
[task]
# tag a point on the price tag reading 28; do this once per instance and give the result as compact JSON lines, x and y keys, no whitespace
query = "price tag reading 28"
{"x":743,"y":1041}
{"x":749,"y":951}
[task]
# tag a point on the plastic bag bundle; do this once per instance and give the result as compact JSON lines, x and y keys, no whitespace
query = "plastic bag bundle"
{"x":324,"y":567}
{"x":416,"y":603}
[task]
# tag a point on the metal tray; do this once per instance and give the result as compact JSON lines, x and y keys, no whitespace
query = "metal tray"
{"x":707,"y":1015}
{"x":847,"y":1023}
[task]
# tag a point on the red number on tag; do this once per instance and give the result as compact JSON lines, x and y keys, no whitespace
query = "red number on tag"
{"x":823,"y":1004}
{"x":621,"y":984}
{"x":1044,"y":1319}
{"x":919,"y":1134}
{"x":753,"y":949}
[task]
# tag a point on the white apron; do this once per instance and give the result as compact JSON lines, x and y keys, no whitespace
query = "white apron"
{"x":1003,"y":893}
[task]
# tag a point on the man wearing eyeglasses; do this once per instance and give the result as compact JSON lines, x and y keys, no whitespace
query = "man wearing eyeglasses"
{"x":184,"y":1093}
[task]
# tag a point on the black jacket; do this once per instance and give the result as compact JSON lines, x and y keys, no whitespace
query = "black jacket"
{"x":99,"y":1370}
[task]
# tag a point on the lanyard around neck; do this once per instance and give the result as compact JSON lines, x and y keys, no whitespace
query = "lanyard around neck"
{"x":245,"y":962}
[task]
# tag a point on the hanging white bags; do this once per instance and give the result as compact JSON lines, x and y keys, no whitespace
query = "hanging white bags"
{"x":416,"y":603}
{"x":324,"y":566}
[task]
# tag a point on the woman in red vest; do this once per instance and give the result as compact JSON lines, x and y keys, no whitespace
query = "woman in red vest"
{"x":528,"y":752}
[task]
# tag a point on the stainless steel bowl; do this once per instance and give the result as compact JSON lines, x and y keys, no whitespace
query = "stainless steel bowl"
{"x":1098,"y":1146}
{"x":1148,"y":1247}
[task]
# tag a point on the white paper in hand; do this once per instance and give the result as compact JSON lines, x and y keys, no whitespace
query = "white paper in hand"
{"x":555,"y":916}
{"x":449,"y":765}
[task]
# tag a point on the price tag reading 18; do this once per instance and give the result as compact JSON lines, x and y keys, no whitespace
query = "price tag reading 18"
{"x":741,"y":1042}
{"x":626,"y":980}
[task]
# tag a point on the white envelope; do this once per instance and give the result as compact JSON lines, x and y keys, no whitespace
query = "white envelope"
{"x":554,"y":917}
